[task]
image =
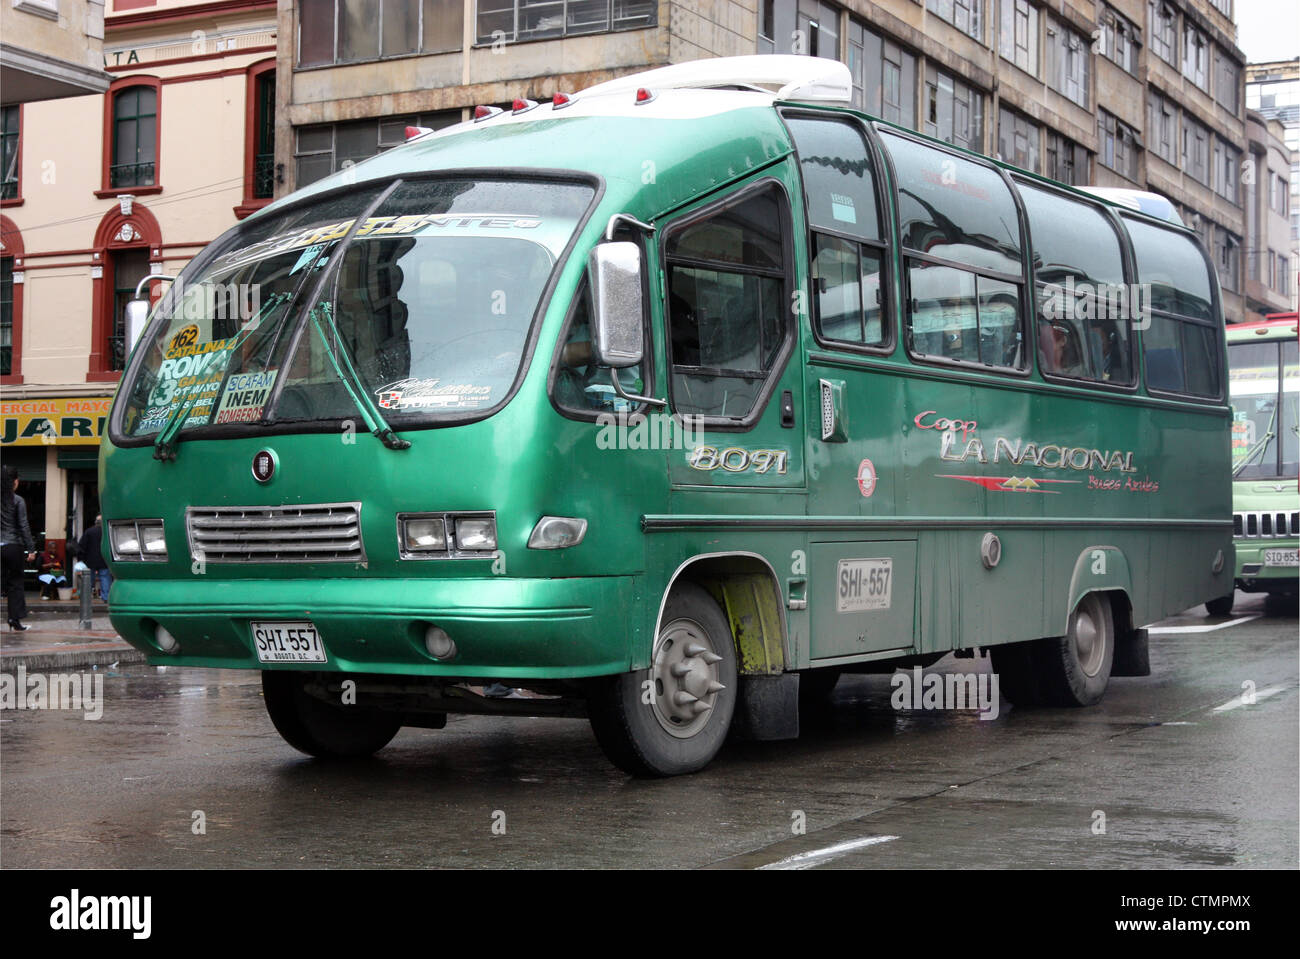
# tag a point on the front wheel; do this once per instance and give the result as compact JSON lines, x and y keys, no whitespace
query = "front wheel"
{"x":319,"y":728}
{"x":673,"y":717}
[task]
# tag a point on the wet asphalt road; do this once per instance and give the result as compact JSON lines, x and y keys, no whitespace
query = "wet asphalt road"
{"x":1179,"y":783}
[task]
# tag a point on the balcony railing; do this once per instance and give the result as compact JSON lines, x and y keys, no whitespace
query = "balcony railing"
{"x":130,"y":174}
{"x":263,"y":175}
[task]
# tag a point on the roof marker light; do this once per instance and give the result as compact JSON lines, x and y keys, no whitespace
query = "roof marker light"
{"x":413,"y":132}
{"x":522,"y":106}
{"x":643,"y":96}
{"x":561,"y":100}
{"x":482,"y":112}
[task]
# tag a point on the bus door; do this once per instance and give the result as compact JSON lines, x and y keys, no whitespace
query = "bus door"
{"x":727,"y":275}
{"x":862,"y":579}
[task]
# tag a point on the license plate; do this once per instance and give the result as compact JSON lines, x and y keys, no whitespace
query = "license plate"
{"x":863,"y":584}
{"x":1282,"y":557}
{"x":287,"y":642}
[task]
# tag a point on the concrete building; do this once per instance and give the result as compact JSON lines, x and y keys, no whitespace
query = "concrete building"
{"x":106,"y":189}
{"x":51,"y":49}
{"x":1143,"y":94}
{"x":1270,"y":267}
{"x":1273,"y":90}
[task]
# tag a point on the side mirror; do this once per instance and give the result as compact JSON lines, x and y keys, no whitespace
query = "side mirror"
{"x":614,"y":270}
{"x":137,"y":316}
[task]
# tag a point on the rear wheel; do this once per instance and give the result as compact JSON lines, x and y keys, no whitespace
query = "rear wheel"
{"x":1073,"y":670}
{"x":1221,"y":606}
{"x":673,"y":717}
{"x":319,"y":728}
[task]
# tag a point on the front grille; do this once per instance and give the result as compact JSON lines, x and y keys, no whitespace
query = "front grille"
{"x":324,"y":533}
{"x":1261,"y":525}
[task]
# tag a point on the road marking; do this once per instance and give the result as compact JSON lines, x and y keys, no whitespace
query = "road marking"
{"x":1201,"y":629}
{"x":1236,"y":701}
{"x":806,"y":860}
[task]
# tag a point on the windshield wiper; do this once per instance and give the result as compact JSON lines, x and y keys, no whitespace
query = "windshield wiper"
{"x":1259,"y":446}
{"x":164,"y":445}
{"x":375,"y":421}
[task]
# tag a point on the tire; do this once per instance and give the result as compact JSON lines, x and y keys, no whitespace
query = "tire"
{"x":1013,"y":664}
{"x":664,"y":737}
{"x":1221,"y":606}
{"x":1073,"y":669}
{"x":318,"y":728}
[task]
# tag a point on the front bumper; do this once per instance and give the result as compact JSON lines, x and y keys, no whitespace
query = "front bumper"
{"x":1253,"y":575}
{"x":503,"y":628}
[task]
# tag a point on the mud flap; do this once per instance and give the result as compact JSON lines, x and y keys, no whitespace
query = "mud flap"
{"x":1132,"y":654}
{"x":768,"y":708}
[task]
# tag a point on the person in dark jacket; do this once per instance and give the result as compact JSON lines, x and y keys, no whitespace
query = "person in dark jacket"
{"x":17,"y":548}
{"x":90,"y":549}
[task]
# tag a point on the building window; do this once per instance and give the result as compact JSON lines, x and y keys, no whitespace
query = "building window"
{"x":1162,"y":126}
{"x":1227,"y":170}
{"x":6,"y":315}
{"x":1223,"y":6}
{"x":1018,"y":35}
{"x":1196,"y":57}
{"x":1119,"y":145}
{"x":515,"y":21}
{"x":954,"y":112}
{"x":1279,"y":195}
{"x":1068,"y":56}
{"x":1283,"y":275}
{"x":354,"y":31}
{"x":127,"y":268}
{"x":1227,"y":256}
{"x":1017,"y":140}
{"x":966,"y":15}
{"x":1066,"y":161}
{"x":264,"y":134}
{"x":1118,"y":41}
{"x":135,"y":138}
{"x":884,"y":76}
{"x":327,"y":148}
{"x":1196,"y":150}
{"x":1163,"y":26}
{"x":1227,"y":81}
{"x":10,"y":155}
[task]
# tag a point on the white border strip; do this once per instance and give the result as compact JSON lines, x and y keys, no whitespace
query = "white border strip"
{"x":1201,"y":629}
{"x":806,"y":860}
{"x":1237,"y":701}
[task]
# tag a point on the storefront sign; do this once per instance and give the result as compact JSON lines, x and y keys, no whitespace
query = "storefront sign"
{"x":54,"y":422}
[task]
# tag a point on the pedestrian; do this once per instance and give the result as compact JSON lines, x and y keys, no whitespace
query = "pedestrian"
{"x":17,"y":548}
{"x":91,"y":553}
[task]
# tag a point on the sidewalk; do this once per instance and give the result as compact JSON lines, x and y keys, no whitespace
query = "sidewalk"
{"x":54,"y":640}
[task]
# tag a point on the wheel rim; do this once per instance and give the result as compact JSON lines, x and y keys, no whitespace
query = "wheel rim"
{"x":1089,"y":639}
{"x":685,"y":677}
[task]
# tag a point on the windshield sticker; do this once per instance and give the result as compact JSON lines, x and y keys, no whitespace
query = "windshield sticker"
{"x":245,"y":397}
{"x":376,"y":226}
{"x":186,"y":336}
{"x":308,"y":256}
{"x":842,"y":208}
{"x":429,"y":394}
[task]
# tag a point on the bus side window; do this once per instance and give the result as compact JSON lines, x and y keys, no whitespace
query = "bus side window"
{"x":847,"y":251}
{"x":1181,"y":343}
{"x":1084,"y":311}
{"x":727,"y":307}
{"x":960,"y":231}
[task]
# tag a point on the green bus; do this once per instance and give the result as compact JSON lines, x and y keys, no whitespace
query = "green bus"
{"x":1264,"y":385}
{"x":664,"y":404}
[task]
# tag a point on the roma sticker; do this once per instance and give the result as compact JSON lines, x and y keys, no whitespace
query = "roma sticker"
{"x":866,"y":477}
{"x":186,"y":336}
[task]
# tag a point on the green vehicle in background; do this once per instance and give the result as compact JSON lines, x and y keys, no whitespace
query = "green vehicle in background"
{"x":669,"y":402}
{"x":1264,"y":383}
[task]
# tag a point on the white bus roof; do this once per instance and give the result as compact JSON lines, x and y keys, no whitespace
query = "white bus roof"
{"x":1152,"y":204}
{"x":783,"y":76}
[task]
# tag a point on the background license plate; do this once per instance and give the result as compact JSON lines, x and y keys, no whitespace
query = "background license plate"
{"x":287,"y":642}
{"x":1282,"y":557}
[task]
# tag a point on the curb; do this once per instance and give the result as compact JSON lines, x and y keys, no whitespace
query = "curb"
{"x":58,"y":659}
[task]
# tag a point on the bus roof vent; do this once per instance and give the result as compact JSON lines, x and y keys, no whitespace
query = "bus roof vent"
{"x":785,"y":77}
{"x":1152,"y":204}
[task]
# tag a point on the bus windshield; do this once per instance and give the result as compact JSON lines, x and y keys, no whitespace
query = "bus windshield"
{"x":431,"y":304}
{"x":1265,"y":382}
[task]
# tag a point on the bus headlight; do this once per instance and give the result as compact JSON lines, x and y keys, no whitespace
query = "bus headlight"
{"x":557,"y":532}
{"x":477,"y":532}
{"x":420,"y":534}
{"x":138,"y":540}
